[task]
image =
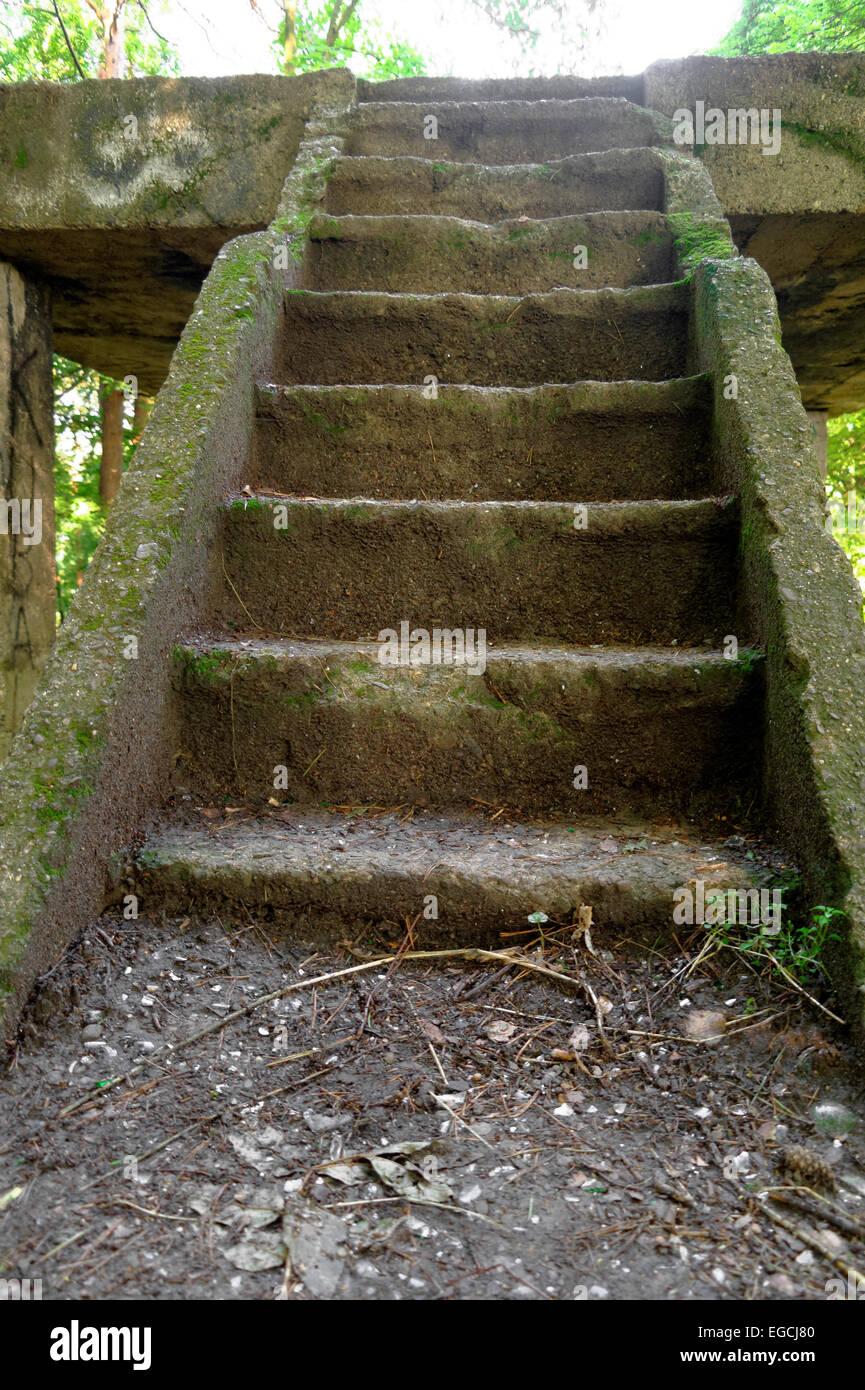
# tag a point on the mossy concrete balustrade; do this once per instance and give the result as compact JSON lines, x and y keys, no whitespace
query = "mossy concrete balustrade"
{"x":95,"y":753}
{"x":799,"y":599}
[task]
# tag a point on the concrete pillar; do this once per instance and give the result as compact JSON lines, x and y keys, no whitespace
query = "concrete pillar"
{"x":818,"y":420}
{"x":27,"y":572}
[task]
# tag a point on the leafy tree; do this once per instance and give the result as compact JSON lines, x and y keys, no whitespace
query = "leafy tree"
{"x":777,"y":26}
{"x":337,"y":35}
{"x":845,"y":484}
{"x":65,"y":40}
{"x":528,"y":20}
{"x":560,"y":27}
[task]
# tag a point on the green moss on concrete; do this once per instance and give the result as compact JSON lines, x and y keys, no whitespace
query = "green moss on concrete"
{"x":697,"y":239}
{"x":209,"y":668}
{"x":843,"y":142}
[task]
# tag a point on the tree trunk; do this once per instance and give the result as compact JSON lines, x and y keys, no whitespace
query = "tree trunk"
{"x":111,"y":62}
{"x":290,"y":46}
{"x":111,"y":465}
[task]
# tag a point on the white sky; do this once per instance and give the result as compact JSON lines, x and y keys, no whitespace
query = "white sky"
{"x":217,"y":37}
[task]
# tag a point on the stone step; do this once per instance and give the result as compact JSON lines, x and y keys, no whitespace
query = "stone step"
{"x":504,"y":132}
{"x":423,"y":254}
{"x":485,"y":340}
{"x":656,"y":729}
{"x":626,"y":572}
{"x":612,"y":180}
{"x":316,"y":873}
{"x":499,"y":88}
{"x":600,"y":441}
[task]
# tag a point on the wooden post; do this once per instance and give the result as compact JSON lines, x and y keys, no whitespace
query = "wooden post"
{"x":28,"y":586}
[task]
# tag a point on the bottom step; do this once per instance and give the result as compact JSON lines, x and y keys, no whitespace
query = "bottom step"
{"x":346,"y":872}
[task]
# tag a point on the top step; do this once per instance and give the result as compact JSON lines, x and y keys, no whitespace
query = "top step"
{"x":501,"y":88}
{"x":503,"y":132}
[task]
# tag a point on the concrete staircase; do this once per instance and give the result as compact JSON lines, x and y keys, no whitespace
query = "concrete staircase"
{"x":469,"y":431}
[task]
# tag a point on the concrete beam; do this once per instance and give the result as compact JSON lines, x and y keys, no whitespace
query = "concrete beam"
{"x":801,"y":212}
{"x":119,"y":194}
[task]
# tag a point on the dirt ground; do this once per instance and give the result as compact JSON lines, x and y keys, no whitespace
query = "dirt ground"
{"x":444,"y":1130}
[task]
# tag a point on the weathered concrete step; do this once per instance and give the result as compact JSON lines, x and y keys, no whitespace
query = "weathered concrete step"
{"x":500,"y":88}
{"x":485,"y":340}
{"x":317,"y":872}
{"x":628,"y":572}
{"x":608,"y":181}
{"x":425,"y":254}
{"x":504,"y":132}
{"x":601,"y":441}
{"x":654,"y":728}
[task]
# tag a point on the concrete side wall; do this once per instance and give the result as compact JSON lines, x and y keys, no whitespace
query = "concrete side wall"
{"x":799,"y":600}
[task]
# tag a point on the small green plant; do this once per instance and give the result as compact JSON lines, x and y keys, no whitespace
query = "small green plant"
{"x":793,"y":949}
{"x":748,"y":658}
{"x":799,"y":949}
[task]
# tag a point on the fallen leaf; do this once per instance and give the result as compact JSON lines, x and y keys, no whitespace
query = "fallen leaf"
{"x":705,"y":1025}
{"x":267,"y":1251}
{"x":349,"y":1173}
{"x":316,"y":1247}
{"x":252,"y":1147}
{"x":433,"y":1032}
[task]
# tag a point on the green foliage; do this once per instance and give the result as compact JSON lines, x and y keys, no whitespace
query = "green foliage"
{"x":845,"y":486}
{"x":526,"y":20}
{"x":33,"y":47}
{"x":778,"y":26}
{"x":338,"y":35}
{"x":80,"y":515}
{"x":795,"y":952}
{"x":541,"y":29}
